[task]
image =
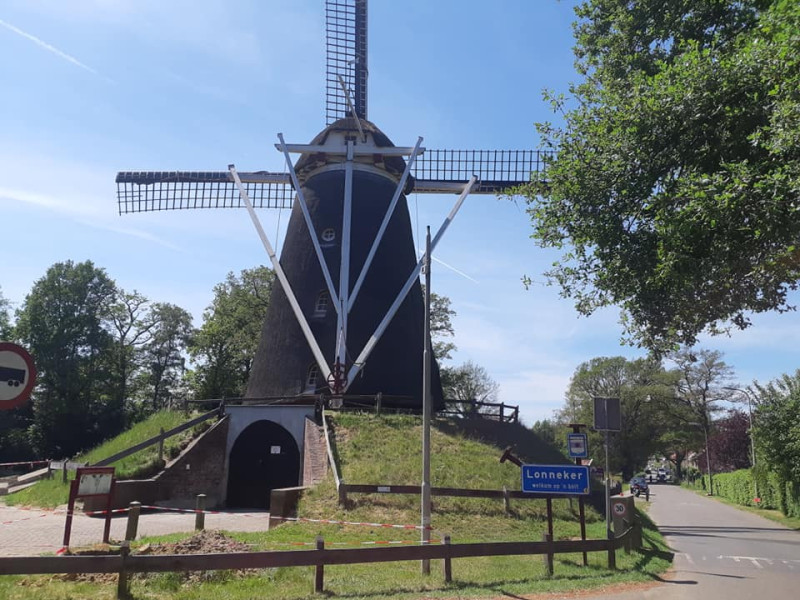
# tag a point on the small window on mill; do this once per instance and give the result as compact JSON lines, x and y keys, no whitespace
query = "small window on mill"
{"x":313,"y":378}
{"x":328,"y":235}
{"x":321,"y":306}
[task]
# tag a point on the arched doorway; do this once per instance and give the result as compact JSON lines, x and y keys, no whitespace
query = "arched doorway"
{"x":264,"y":457}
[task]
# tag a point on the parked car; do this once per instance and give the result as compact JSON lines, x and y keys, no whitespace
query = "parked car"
{"x":639,"y":486}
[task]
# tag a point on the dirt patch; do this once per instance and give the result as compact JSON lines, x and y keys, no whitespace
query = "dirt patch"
{"x":205,"y":542}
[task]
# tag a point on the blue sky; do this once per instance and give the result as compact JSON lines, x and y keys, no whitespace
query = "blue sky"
{"x":91,"y":87}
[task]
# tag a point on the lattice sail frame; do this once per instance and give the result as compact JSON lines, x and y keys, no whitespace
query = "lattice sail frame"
{"x":434,"y":172}
{"x":346,"y":57}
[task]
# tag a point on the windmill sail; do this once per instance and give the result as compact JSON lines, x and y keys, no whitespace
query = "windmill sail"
{"x":346,"y":57}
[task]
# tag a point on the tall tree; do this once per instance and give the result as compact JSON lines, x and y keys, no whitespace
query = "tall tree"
{"x":442,"y":330}
{"x":131,"y":324}
{"x":674,"y":184}
{"x":466,"y":384}
{"x":702,"y":383}
{"x":5,"y":319}
{"x":63,"y":323}
{"x":226,"y":343}
{"x":729,"y":446}
{"x":636,"y":383}
{"x":163,"y":354}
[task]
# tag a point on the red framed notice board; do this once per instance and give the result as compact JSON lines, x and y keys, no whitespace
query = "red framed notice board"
{"x":91,"y":482}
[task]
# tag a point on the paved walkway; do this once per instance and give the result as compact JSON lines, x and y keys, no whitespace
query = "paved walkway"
{"x":29,"y":532}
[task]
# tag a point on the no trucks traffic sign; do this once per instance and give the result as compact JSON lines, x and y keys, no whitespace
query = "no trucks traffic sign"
{"x":17,"y":375}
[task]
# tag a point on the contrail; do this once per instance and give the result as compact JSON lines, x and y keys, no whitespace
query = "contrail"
{"x":49,"y":48}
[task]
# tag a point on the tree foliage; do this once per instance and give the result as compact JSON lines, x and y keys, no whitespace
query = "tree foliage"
{"x":635,"y":383}
{"x":777,"y":428}
{"x":62,"y":324}
{"x":466,"y":384}
{"x":226,"y":343}
{"x":674,"y":185}
{"x":5,"y":319}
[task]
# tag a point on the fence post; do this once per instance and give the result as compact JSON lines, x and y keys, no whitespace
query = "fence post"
{"x":64,"y":471}
{"x":502,"y":413}
{"x":161,"y":446}
{"x":133,"y":520}
{"x":319,"y":570}
{"x":548,"y":557}
{"x":448,"y":567}
{"x":506,"y":500}
{"x":200,"y":515}
{"x":612,"y":554}
{"x":342,"y":493}
{"x":122,"y":581}
{"x":378,"y":402}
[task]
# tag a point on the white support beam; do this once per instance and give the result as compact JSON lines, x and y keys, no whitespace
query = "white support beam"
{"x":370,"y":345}
{"x":387,"y":217}
{"x":344,"y":266}
{"x":342,"y":149}
{"x":311,"y":231}
{"x":287,"y":288}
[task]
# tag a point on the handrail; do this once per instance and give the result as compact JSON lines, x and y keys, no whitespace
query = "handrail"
{"x":162,"y":436}
{"x":331,"y":458}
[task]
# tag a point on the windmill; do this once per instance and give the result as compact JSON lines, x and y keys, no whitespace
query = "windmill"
{"x":347,"y":317}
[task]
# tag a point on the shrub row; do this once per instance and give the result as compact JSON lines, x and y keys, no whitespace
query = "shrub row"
{"x":738,"y":487}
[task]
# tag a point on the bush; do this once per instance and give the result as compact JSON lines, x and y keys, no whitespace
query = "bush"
{"x":738,"y":487}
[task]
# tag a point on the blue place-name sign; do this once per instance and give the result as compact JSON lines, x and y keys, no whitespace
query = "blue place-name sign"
{"x":555,"y":479}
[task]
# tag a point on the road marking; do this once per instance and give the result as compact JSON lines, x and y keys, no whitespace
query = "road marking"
{"x":755,"y":562}
{"x":688,"y":559}
{"x":788,"y":564}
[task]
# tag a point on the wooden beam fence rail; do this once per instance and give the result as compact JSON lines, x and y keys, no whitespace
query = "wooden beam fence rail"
{"x":160,"y":437}
{"x":30,"y":565}
{"x":356,"y":488}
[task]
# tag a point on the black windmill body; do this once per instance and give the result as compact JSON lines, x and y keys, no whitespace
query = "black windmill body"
{"x":348,"y":317}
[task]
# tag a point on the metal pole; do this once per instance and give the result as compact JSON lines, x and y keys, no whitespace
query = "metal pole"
{"x":708,"y":464}
{"x":426,"y":409}
{"x":608,"y":491}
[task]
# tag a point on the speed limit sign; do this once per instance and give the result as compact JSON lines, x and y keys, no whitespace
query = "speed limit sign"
{"x":619,"y":509}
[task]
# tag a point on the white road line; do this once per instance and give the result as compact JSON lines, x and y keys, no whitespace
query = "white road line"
{"x":688,"y":558}
{"x":755,"y":562}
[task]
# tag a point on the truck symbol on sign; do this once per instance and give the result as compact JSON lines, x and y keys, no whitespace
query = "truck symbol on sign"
{"x":12,"y":376}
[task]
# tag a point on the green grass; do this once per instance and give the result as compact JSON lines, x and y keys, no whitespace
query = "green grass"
{"x":768,"y":513}
{"x":385,"y":450}
{"x":53,"y":492}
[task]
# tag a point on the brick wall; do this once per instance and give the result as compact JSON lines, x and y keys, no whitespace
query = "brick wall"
{"x":315,"y":454}
{"x":200,"y":469}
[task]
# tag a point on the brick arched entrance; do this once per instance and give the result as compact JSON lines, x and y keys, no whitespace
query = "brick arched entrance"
{"x":264,"y":457}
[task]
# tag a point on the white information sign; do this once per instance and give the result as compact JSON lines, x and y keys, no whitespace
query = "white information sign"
{"x":93,"y":484}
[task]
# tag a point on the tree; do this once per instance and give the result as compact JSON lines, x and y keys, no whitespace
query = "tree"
{"x":226,"y":343}
{"x":777,"y":429}
{"x":131,"y":323}
{"x":635,"y":383}
{"x":702,"y":383}
{"x":63,"y":323}
{"x":441,"y":326}
{"x":729,"y":446}
{"x":466,"y":384}
{"x":162,"y":355}
{"x":673,"y":187}
{"x":5,"y":320}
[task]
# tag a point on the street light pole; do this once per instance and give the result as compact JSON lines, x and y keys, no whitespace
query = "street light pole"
{"x":704,"y":427}
{"x":752,"y":440}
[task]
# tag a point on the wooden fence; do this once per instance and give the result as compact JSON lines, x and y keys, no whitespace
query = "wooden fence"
{"x":124,"y":563}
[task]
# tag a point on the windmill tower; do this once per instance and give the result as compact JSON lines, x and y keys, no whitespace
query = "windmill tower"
{"x":347,"y":318}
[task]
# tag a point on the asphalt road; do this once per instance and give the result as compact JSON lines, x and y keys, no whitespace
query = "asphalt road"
{"x":721,"y":553}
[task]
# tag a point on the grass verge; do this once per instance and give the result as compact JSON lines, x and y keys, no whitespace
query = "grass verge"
{"x":50,"y":493}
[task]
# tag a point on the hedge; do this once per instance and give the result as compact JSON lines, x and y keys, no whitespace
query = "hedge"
{"x":737,"y":487}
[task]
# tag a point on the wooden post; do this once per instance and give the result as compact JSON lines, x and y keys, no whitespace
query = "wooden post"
{"x":506,"y":500}
{"x":448,"y":568}
{"x":502,"y":413}
{"x":200,"y":515}
{"x":342,"y":490}
{"x":612,"y":555}
{"x":64,"y":471}
{"x":319,"y":570}
{"x":550,"y":517}
{"x":133,"y":520}
{"x":161,"y":446}
{"x":548,"y":558}
{"x":516,"y":414}
{"x":122,"y":582}
{"x":582,"y":512}
{"x":378,"y":402}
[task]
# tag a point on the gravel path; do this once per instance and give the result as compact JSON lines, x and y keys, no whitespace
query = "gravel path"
{"x":29,"y":532}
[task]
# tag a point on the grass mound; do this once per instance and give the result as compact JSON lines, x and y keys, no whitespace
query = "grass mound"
{"x":50,"y":493}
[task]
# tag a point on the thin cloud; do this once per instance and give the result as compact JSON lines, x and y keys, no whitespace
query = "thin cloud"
{"x":49,"y":48}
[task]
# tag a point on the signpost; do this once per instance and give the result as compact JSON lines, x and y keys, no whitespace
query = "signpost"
{"x":17,"y":375}
{"x":607,"y":417}
{"x":88,"y":482}
{"x":561,"y":480}
{"x":577,"y":445}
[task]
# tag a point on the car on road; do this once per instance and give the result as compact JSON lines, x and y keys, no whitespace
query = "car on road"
{"x":638,"y":486}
